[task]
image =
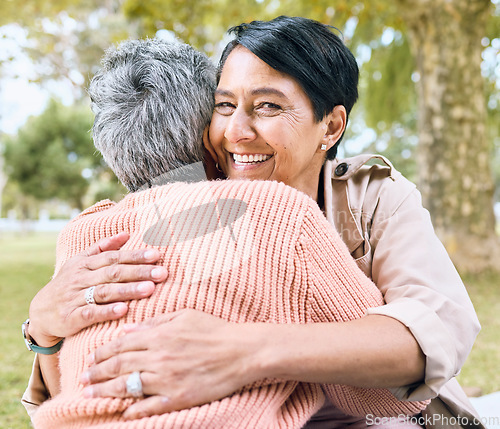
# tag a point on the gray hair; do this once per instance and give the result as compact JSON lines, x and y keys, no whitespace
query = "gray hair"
{"x":152,"y":100}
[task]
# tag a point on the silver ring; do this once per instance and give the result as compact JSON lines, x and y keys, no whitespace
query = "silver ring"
{"x":134,"y":385}
{"x":89,"y":295}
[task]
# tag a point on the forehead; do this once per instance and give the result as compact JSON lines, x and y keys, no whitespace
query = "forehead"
{"x":244,"y":70}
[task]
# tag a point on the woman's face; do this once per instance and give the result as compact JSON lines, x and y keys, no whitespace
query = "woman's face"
{"x":263,"y":126}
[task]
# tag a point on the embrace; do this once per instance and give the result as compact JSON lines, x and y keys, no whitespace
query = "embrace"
{"x":250,"y":279}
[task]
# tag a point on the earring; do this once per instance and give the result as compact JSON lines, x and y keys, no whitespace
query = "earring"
{"x":217,"y":167}
{"x":323,"y":146}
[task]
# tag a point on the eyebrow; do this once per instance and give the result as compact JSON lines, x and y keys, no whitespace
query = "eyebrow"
{"x":256,"y":91}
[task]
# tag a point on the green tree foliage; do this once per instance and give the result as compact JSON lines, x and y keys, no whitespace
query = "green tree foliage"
{"x":67,"y":38}
{"x":47,"y":157}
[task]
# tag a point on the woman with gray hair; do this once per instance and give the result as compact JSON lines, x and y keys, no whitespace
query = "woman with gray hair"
{"x":152,"y":101}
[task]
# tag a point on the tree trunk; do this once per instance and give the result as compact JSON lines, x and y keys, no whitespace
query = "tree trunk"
{"x":454,"y":152}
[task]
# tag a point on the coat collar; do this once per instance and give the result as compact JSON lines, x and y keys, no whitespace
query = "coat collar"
{"x":344,"y":169}
{"x":338,"y":208}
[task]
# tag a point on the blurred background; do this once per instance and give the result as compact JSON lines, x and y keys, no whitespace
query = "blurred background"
{"x":429,"y":101}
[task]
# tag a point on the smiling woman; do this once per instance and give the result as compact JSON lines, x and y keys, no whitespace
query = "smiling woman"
{"x":264,"y":125}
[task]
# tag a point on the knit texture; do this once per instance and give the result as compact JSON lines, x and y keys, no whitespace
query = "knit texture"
{"x":242,"y":251}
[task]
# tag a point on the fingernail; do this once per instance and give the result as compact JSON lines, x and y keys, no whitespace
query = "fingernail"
{"x":91,"y":358}
{"x":149,"y":255}
{"x":88,"y":392}
{"x":85,"y":378}
{"x":158,"y":273}
{"x":119,"y":308}
{"x":145,"y":287}
{"x":164,"y":400}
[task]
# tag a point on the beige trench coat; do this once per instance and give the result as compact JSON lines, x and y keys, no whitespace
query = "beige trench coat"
{"x":381,"y":219}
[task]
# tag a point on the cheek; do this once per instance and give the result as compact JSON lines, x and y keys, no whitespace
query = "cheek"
{"x":216,"y":132}
{"x":294,"y":135}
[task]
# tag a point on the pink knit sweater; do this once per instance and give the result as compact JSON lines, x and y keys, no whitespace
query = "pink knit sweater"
{"x":242,"y":251}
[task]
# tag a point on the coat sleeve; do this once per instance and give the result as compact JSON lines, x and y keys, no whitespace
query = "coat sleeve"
{"x":36,"y":393}
{"x":421,"y":288}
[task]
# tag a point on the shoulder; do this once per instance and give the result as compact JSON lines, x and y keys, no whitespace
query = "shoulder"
{"x":86,"y":214}
{"x":371,"y":183}
{"x":96,"y":208}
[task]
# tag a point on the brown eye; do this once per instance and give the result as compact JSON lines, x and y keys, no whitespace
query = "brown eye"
{"x":268,"y":109}
{"x":225,"y":108}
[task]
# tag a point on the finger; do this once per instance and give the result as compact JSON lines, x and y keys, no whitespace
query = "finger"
{"x":87,"y":315}
{"x":114,"y":257}
{"x":117,"y":387}
{"x":152,"y":406}
{"x":110,"y":243}
{"x":136,"y":341}
{"x":118,"y":292}
{"x":116,"y":366}
{"x":125,"y":274}
{"x":151,"y":322}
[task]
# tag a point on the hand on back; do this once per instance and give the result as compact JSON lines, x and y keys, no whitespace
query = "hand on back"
{"x":60,"y":309}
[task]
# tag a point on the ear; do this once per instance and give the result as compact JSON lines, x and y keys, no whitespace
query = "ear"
{"x":335,"y":122}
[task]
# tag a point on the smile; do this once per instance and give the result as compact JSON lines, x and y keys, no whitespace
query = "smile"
{"x":250,"y":159}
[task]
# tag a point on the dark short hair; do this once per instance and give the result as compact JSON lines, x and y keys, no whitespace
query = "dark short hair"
{"x":308,"y":51}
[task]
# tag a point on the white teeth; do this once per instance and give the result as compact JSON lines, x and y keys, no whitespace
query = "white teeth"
{"x":246,"y":159}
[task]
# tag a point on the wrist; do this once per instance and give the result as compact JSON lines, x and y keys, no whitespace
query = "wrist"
{"x":268,"y":355}
{"x":299,"y":352}
{"x":34,"y":347}
{"x":38,"y":337}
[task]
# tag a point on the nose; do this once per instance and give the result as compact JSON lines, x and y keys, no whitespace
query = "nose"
{"x":239,"y":127}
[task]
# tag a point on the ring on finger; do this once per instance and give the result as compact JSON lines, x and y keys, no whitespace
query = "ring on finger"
{"x":89,"y":295}
{"x":134,"y":385}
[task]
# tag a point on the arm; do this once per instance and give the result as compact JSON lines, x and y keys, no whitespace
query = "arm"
{"x":188,"y":353}
{"x":424,"y":292}
{"x":365,"y":352}
{"x":59,"y":309}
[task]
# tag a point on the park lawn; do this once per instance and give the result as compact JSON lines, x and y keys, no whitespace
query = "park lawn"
{"x":27,"y":263}
{"x":482,"y":368}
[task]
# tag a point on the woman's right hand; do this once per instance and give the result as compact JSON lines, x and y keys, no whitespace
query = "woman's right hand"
{"x":59,"y":309}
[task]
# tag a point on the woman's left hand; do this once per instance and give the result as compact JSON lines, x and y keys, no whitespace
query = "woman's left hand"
{"x":186,"y":358}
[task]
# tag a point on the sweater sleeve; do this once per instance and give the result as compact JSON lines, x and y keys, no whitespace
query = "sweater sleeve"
{"x":339,"y":290}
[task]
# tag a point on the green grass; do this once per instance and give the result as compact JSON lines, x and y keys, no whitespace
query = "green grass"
{"x":26,"y":264}
{"x":482,"y":367}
